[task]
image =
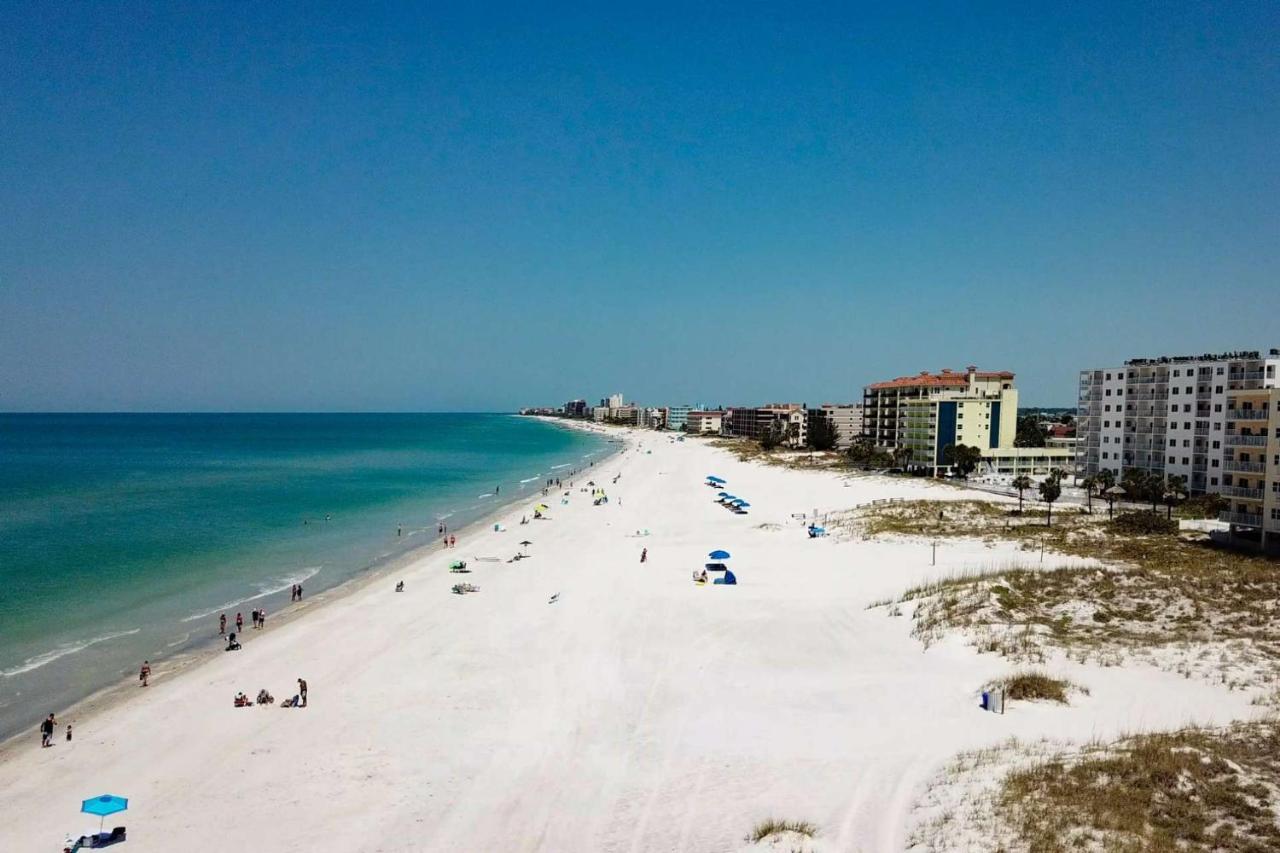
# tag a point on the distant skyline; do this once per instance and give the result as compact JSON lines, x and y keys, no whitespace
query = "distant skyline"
{"x":417,"y":207}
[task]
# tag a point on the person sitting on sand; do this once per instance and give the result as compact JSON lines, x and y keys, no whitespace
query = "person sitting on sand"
{"x":400,"y":587}
{"x":232,"y":644}
{"x":265,"y":698}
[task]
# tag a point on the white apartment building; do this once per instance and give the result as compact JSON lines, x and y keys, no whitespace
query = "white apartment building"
{"x":1175,"y":415}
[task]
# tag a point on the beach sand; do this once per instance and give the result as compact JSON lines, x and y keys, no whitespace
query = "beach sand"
{"x":637,"y":713}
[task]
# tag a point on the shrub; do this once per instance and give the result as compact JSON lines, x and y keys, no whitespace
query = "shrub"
{"x":773,"y":826}
{"x":1144,"y":523}
{"x":1032,"y":685}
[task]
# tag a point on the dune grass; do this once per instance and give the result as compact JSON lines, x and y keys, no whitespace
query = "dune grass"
{"x":773,"y":826}
{"x":1190,"y":790}
{"x":1157,"y":592}
{"x":1030,"y":685}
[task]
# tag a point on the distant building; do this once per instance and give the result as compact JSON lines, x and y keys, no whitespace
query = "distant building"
{"x":613,"y":401}
{"x":704,"y":422}
{"x":753,"y":422}
{"x":845,"y":417}
{"x":600,"y":413}
{"x":576,"y":409}
{"x":677,"y":416}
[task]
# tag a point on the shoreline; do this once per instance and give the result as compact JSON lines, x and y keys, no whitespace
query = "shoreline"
{"x":197,"y":653}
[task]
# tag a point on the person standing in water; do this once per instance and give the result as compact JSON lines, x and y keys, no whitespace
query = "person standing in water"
{"x":144,"y":674}
{"x":240,"y":623}
{"x":222,"y":625}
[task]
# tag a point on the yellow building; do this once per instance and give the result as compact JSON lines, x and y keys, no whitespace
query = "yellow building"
{"x":925,"y":414}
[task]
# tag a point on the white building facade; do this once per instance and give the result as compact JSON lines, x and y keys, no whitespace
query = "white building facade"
{"x":1172,"y":416}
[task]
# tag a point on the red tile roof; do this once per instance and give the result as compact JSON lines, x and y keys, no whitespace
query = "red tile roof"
{"x":945,"y":379}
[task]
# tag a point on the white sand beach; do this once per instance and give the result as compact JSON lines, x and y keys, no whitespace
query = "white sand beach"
{"x":639,"y":712}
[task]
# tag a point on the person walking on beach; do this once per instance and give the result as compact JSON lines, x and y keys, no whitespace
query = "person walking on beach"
{"x":222,"y":625}
{"x":644,"y":554}
{"x":68,"y":733}
{"x":46,"y":731}
{"x":453,"y":541}
{"x":145,"y":673}
{"x":240,"y":623}
{"x":302,"y":691}
{"x":262,"y":619}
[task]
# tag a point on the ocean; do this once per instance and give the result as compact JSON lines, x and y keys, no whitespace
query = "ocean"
{"x":123,"y":536}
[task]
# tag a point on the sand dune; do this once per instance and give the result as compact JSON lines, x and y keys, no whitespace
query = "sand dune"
{"x":637,"y":713}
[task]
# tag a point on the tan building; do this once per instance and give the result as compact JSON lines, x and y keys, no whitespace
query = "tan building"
{"x":845,"y":417}
{"x":885,"y":404}
{"x":704,"y":422}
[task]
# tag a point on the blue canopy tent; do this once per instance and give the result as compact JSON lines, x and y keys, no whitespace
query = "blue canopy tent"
{"x":729,"y":579}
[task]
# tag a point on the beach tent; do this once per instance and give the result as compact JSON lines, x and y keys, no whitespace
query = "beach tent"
{"x":729,"y":579}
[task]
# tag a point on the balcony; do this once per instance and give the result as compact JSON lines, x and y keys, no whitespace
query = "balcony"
{"x":1237,"y":440}
{"x":1244,"y":374}
{"x":1247,"y":414}
{"x":1245,"y":519}
{"x":1245,"y":467}
{"x":1242,"y":492}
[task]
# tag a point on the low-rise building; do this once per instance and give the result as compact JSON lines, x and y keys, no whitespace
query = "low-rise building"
{"x":704,"y":422}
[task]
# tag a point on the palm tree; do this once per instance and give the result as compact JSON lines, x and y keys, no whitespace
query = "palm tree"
{"x":1175,"y":490}
{"x":1022,"y":482}
{"x":1050,"y":490}
{"x":1089,"y":483}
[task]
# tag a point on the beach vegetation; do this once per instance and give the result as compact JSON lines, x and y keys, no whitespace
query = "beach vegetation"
{"x":767,"y":828}
{"x":1021,"y":482}
{"x":1031,"y":685}
{"x":1182,"y":604}
{"x":1050,"y":490}
{"x":962,"y":458}
{"x":1189,"y":790}
{"x":823,"y":434}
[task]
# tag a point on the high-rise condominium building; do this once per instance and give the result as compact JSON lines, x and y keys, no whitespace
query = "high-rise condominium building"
{"x":1208,"y":418}
{"x":845,"y":417}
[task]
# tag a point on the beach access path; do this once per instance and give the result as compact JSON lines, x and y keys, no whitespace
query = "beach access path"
{"x":639,"y":712}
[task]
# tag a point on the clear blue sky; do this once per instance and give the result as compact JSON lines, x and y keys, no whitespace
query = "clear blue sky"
{"x":269,"y":206}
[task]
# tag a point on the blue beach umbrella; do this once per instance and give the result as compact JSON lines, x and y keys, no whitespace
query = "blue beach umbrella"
{"x":106,"y":804}
{"x":719,"y":555}
{"x":723,"y":495}
{"x":711,"y":478}
{"x":741,"y":504}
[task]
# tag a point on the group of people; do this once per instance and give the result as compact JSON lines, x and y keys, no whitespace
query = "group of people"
{"x":295,"y":592}
{"x":449,"y":541}
{"x":299,"y":699}
{"x":47,"y":726}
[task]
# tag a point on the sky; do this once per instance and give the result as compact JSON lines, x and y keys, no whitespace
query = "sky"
{"x":475,"y":207}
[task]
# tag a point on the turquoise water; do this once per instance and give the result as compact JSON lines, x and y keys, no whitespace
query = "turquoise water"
{"x":122,"y":537}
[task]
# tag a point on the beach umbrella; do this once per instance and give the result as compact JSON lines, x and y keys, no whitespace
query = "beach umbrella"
{"x":540,"y":506}
{"x":719,"y":555}
{"x":106,"y":804}
{"x":714,"y":479}
{"x":741,"y":504}
{"x":723,"y":495}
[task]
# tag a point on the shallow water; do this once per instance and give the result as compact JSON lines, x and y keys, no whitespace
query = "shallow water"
{"x":122,"y":537}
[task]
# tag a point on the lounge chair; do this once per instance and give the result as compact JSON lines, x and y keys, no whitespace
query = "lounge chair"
{"x":96,"y":840}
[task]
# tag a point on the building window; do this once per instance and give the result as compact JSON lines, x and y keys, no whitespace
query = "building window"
{"x":1173,"y":442}
{"x":1217,"y":390}
{"x":1213,"y":463}
{"x":1177,"y":373}
{"x":1216,"y":444}
{"x":1188,"y":389}
{"x":1186,"y":443}
{"x":1213,"y":481}
{"x":1186,"y":461}
{"x":1186,"y":407}
{"x":1172,"y":460}
{"x":1108,"y":392}
{"x":1219,"y":371}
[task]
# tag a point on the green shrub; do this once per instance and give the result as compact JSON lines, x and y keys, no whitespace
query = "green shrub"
{"x":1144,"y":523}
